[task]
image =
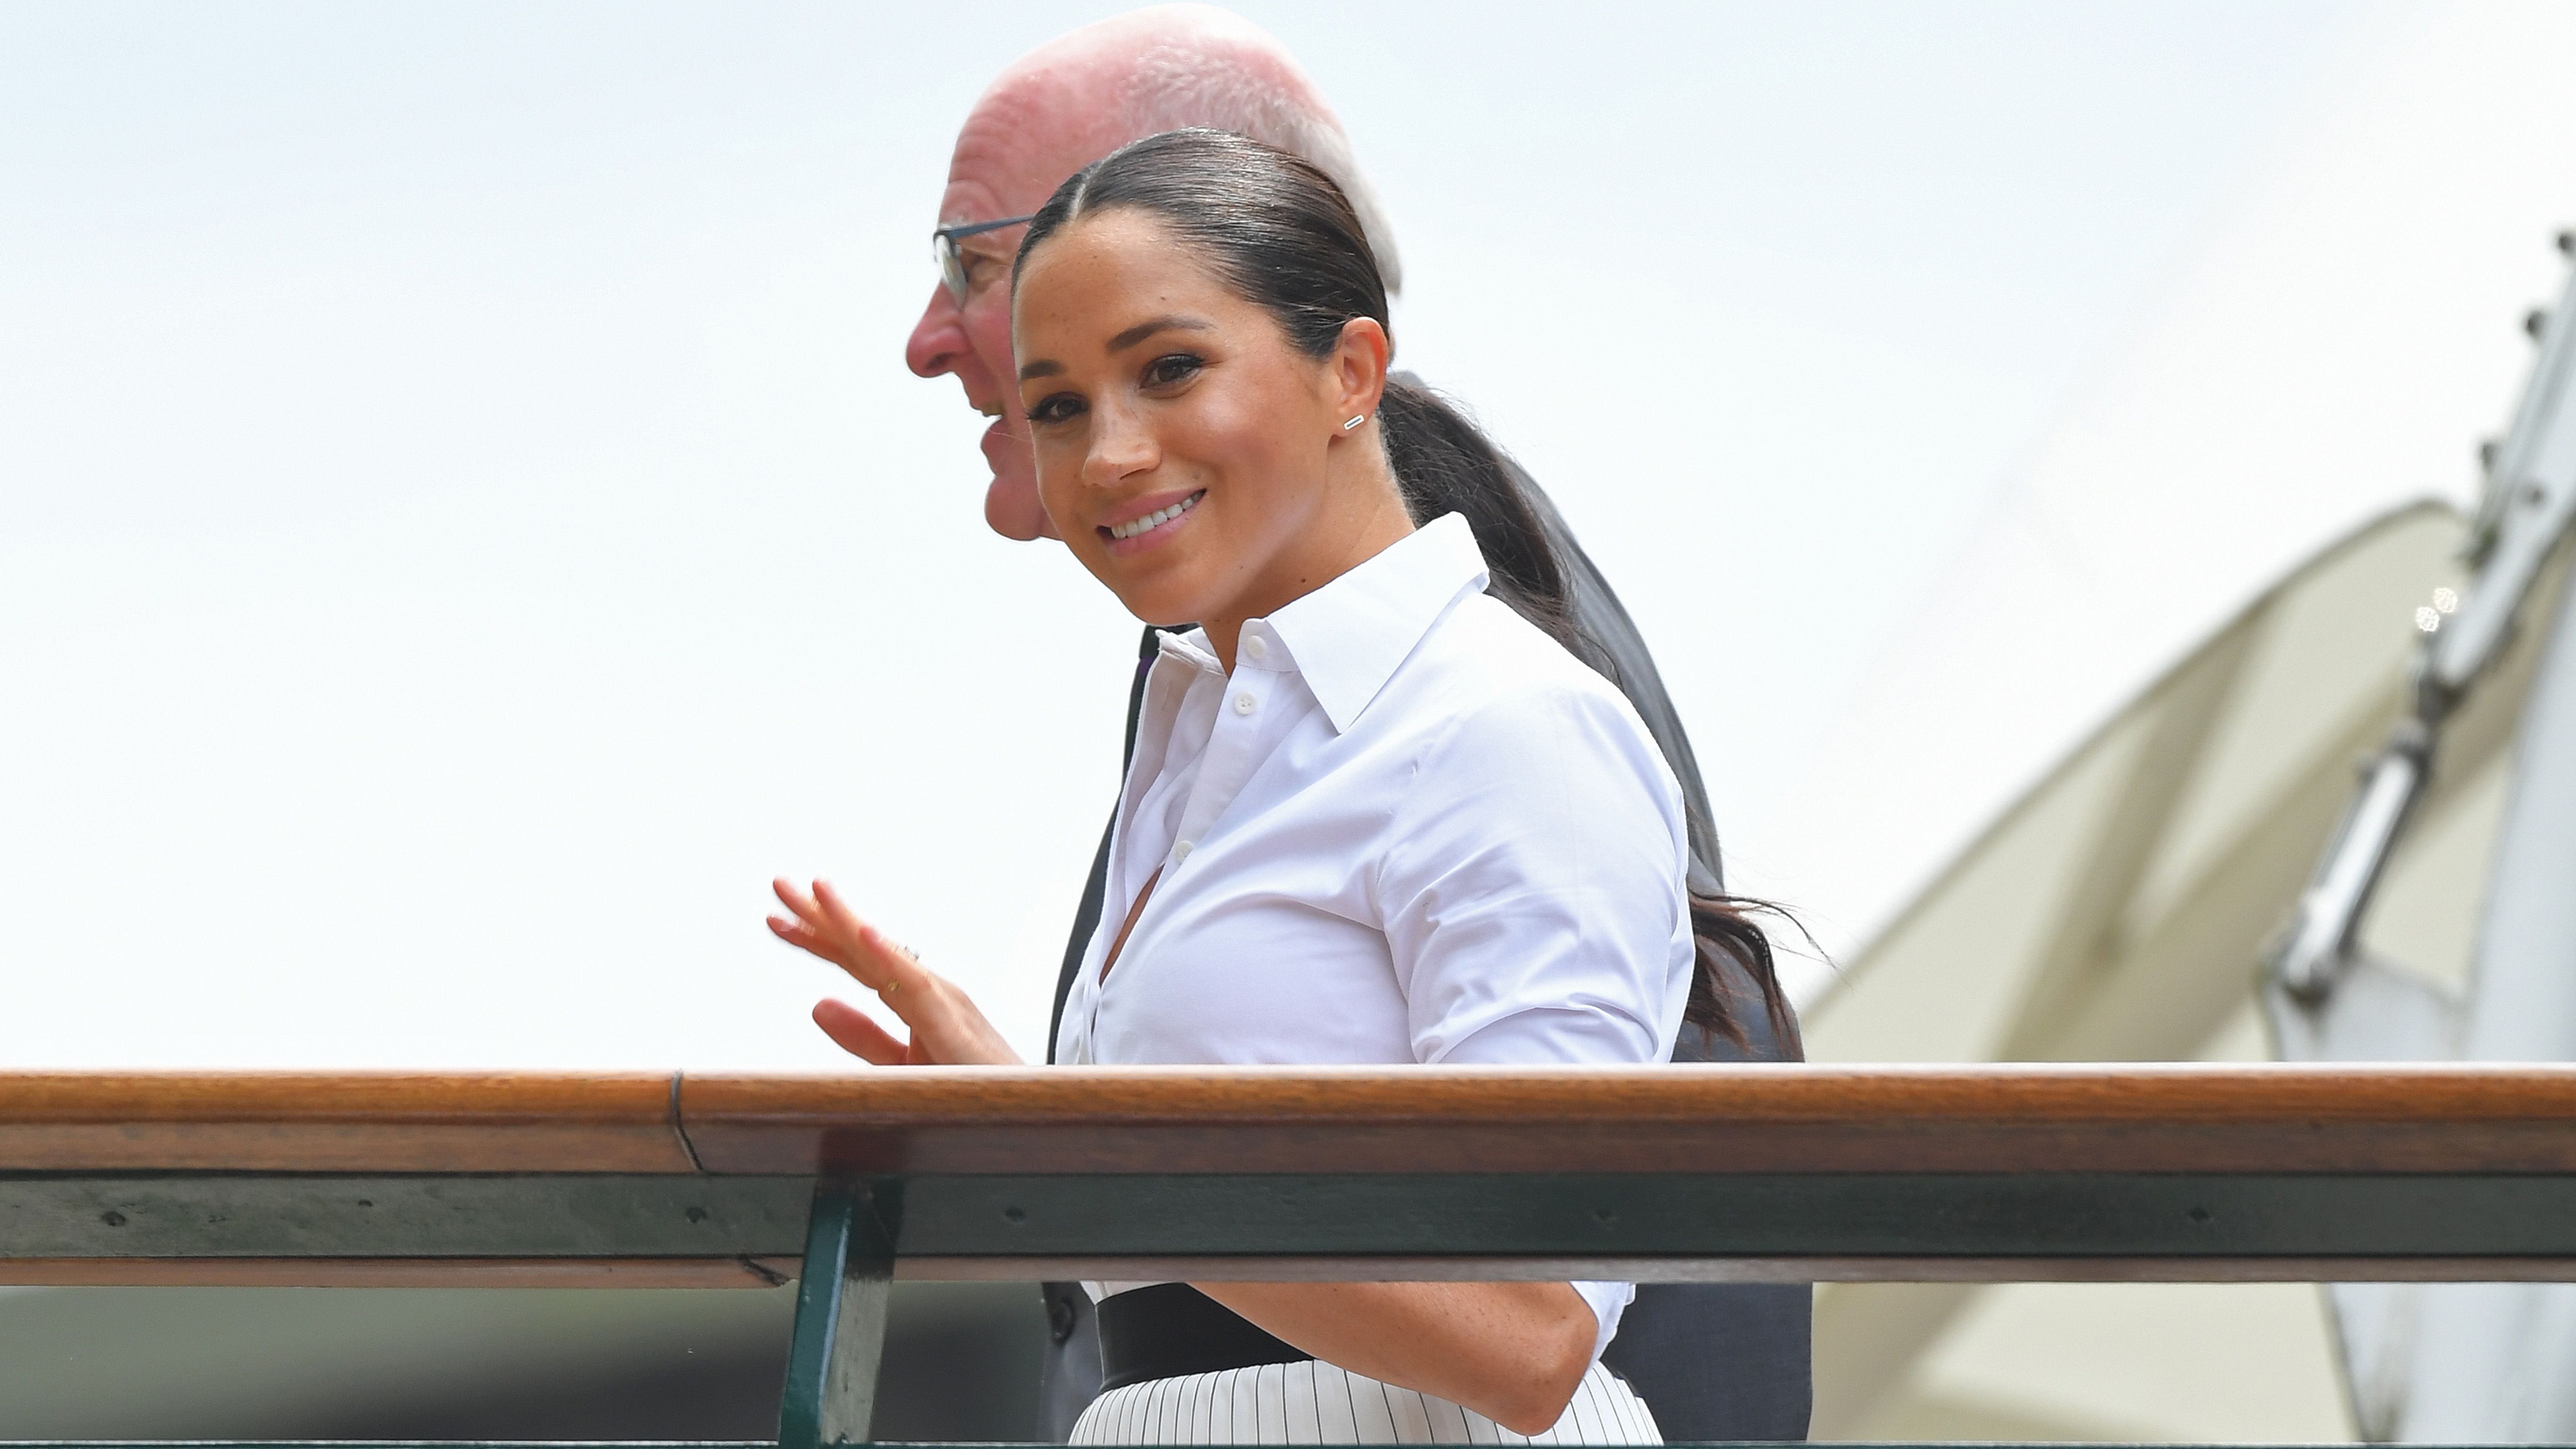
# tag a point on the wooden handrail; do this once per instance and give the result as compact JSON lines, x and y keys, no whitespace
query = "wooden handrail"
{"x":1787,"y":1173}
{"x":340,"y":1122}
{"x":1896,"y":1119}
{"x":1902,"y":1119}
{"x":1790,"y":1174}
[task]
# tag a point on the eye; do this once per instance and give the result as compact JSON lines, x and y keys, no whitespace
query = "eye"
{"x":1055,"y":408}
{"x":1173,"y":369}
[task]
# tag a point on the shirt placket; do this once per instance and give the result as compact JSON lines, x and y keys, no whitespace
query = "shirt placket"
{"x":1184,"y":686}
{"x":1247,"y":726}
{"x":1234,"y":749}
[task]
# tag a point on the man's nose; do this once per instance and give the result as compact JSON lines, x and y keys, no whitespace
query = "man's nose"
{"x":937,"y":338}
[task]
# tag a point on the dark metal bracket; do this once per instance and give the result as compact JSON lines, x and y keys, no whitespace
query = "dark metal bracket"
{"x":841,"y":1301}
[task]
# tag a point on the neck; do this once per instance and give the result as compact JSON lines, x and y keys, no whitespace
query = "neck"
{"x":1341,"y":540}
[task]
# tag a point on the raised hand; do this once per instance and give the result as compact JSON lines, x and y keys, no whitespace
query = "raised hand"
{"x":947,"y":1029}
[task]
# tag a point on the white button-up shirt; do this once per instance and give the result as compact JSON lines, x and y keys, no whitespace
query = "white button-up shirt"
{"x":1408,"y":828}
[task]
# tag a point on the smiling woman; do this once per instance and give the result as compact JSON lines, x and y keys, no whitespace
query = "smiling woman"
{"x":1318,"y":864}
{"x":1198,"y":462}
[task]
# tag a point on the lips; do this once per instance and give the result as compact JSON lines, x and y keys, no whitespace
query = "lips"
{"x":1011,"y":504}
{"x":1155,"y":519}
{"x":1150,"y":521}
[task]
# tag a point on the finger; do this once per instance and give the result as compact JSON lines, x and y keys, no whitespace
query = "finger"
{"x":831,"y":910}
{"x":797,"y":933}
{"x":812,"y":929}
{"x":883,"y":967}
{"x":857,"y":1033}
{"x":805,"y":938}
{"x":796,"y":900}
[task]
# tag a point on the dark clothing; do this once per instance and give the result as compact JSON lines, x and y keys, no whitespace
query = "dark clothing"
{"x":1713,"y":1360}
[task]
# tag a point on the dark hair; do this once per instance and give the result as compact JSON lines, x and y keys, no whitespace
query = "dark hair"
{"x":1282,"y":235}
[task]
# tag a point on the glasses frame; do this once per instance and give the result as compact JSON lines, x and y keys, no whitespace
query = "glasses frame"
{"x":952,"y":266}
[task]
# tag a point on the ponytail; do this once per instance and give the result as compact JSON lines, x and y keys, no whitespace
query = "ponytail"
{"x":1729,"y":944}
{"x":1445,"y":464}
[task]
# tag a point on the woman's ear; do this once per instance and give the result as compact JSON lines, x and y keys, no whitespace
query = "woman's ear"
{"x":1356,"y":372}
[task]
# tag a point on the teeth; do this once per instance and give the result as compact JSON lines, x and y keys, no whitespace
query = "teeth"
{"x":1134,"y":527}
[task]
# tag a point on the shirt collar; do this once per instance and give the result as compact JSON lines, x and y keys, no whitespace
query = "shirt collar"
{"x":1348,"y":637}
{"x":1191,"y":647}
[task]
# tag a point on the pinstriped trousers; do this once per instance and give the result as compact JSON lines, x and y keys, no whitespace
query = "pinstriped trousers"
{"x":1315,"y":1403}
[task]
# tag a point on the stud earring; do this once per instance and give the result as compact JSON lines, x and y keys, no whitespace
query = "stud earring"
{"x":1355,"y":422}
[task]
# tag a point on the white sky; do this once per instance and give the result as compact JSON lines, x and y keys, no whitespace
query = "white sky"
{"x":2333,"y":348}
{"x":465,"y":524}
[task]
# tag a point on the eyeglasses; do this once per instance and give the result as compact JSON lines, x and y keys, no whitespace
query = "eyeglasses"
{"x":952,"y":263}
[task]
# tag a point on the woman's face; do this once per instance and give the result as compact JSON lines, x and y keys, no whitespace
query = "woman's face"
{"x":1182,"y":443}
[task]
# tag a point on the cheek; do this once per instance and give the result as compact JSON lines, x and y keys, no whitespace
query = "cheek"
{"x":1265,"y":474}
{"x":1057,"y":455}
{"x":988,"y":333}
{"x":1059,"y":470}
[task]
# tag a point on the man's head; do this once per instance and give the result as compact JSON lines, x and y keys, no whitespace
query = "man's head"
{"x":1058,"y":109}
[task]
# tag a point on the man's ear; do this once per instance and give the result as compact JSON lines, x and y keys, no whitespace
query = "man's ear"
{"x":1358,"y":367}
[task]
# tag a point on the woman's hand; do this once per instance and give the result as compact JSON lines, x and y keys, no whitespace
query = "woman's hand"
{"x":947,"y":1030}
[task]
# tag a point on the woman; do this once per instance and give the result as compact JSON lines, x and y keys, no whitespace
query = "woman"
{"x":1376,"y":813}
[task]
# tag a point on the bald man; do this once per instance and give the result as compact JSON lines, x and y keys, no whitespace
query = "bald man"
{"x":1712,"y":1361}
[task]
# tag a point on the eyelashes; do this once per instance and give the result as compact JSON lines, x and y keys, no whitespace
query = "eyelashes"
{"x":1170,"y":370}
{"x":1173,"y":367}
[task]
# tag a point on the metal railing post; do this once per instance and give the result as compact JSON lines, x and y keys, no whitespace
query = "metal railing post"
{"x":841,"y":1298}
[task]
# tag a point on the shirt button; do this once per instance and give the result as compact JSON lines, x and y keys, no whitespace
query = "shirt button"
{"x":1182,"y":850}
{"x":1255,"y":648}
{"x":1245,"y":703}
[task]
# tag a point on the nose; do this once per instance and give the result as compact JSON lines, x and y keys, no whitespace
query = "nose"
{"x":938,"y":338}
{"x":1121,"y":447}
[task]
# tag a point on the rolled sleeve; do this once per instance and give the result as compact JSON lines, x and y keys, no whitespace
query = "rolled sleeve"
{"x":1533,"y":902}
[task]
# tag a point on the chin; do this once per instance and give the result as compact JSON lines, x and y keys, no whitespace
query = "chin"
{"x":1156,"y":602}
{"x":1012,"y":510}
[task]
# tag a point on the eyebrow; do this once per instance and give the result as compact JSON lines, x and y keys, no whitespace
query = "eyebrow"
{"x":1045,"y":367}
{"x":1148,"y":328}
